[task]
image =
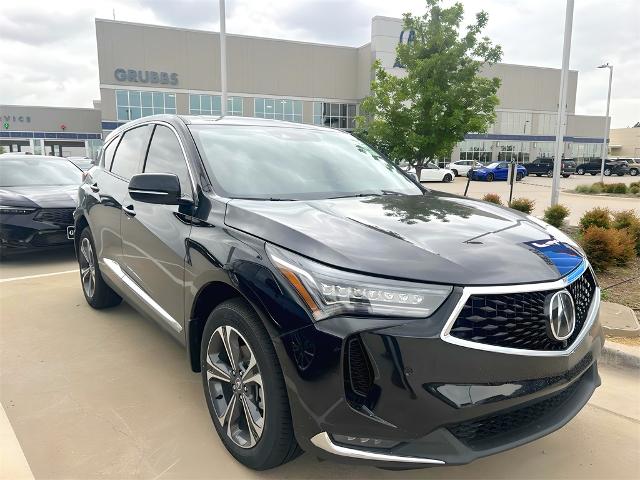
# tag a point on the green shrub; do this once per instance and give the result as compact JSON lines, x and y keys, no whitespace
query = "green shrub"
{"x":606,"y":247}
{"x":493,"y":198}
{"x":597,"y":187}
{"x":555,"y":215}
{"x":523,"y":204}
{"x":635,"y":189}
{"x":635,"y":184}
{"x":630,"y":221}
{"x":596,"y":217}
{"x":583,"y":189}
{"x":615,"y":188}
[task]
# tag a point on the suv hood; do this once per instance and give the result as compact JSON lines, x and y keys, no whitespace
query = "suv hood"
{"x":47,"y":196}
{"x":434,"y":237}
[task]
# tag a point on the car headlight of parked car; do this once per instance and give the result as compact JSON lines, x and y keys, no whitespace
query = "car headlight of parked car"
{"x":9,"y":210}
{"x":329,"y":292}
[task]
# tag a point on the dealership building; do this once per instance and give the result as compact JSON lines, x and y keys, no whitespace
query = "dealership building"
{"x":147,"y":69}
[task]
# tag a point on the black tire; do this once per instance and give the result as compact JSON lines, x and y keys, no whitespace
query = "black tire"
{"x":276,"y":444}
{"x":633,"y":172}
{"x":593,"y":174}
{"x":489,"y":177}
{"x":580,"y":171}
{"x":455,"y":172}
{"x":550,"y":173}
{"x":565,"y":175}
{"x":538,"y":174}
{"x":620,"y":174}
{"x":447,"y":178}
{"x":607,"y":172}
{"x":519,"y":176}
{"x":102,"y":295}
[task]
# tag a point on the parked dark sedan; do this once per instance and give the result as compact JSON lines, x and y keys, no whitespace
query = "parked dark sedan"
{"x":331,"y":303}
{"x":544,"y":166}
{"x":38,"y":195}
{"x":611,"y":167}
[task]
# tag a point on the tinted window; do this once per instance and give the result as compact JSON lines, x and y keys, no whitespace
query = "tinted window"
{"x":165,"y":156}
{"x":16,"y":172}
{"x":294,"y":163}
{"x":130,"y":152}
{"x":108,"y":153}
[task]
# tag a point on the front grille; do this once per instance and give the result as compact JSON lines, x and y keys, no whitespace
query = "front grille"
{"x":518,"y":320}
{"x":481,"y":433}
{"x":56,"y":216}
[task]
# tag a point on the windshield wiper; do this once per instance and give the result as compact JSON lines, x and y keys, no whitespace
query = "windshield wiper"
{"x":392,"y":192}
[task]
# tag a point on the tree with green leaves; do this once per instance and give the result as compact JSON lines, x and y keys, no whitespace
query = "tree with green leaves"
{"x":421,"y":115}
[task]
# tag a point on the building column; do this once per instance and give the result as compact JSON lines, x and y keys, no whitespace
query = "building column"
{"x":87,"y":150}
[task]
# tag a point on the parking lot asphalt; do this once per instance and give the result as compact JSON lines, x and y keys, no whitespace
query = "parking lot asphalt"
{"x":539,"y":190}
{"x":107,"y":394}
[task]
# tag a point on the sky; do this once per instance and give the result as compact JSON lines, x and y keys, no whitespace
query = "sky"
{"x":48,"y":48}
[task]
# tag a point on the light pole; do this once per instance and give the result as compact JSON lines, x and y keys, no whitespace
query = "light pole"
{"x":561,"y":126}
{"x":223,"y":59}
{"x":605,"y":149}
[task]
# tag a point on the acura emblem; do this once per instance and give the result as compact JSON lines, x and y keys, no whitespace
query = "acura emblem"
{"x":561,"y":313}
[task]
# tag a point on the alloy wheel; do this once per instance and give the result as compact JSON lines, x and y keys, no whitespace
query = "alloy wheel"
{"x":235,"y":386}
{"x":87,"y":268}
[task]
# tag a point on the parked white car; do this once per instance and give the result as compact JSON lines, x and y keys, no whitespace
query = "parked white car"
{"x":460,"y":168}
{"x":433,"y":173}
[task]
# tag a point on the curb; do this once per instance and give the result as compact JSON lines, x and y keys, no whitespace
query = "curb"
{"x":620,"y":356}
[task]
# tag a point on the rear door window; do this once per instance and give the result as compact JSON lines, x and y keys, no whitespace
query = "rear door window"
{"x":131,"y":151}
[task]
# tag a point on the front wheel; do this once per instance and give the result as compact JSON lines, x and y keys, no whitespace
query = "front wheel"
{"x":633,"y":172}
{"x":447,"y":178}
{"x":580,"y":171}
{"x":490,"y":177}
{"x":566,"y":175}
{"x":550,"y":173}
{"x":244,"y":388}
{"x":607,"y":172}
{"x":455,"y":173}
{"x":519,"y":177}
{"x":96,"y":292}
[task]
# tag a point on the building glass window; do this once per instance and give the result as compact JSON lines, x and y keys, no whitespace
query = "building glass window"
{"x":335,"y":115}
{"x":133,"y":104}
{"x":202,"y":104}
{"x":477,"y":150}
{"x":546,"y":149}
{"x":278,"y":109}
{"x":586,"y":151}
{"x":513,"y":151}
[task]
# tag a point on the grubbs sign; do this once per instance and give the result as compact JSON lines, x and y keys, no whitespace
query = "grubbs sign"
{"x":145,"y":76}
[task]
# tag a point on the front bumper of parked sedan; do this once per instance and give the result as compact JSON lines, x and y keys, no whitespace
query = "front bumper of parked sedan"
{"x":403,"y":394}
{"x":39,"y":229}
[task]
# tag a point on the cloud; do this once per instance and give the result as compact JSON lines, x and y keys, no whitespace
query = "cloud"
{"x":49,"y":52}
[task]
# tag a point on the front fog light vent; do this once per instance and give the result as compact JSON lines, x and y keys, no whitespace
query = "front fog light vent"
{"x":364,"y":442}
{"x":358,"y":367}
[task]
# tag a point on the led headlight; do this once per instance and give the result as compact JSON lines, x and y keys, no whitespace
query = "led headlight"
{"x":329,"y":292}
{"x":9,"y":210}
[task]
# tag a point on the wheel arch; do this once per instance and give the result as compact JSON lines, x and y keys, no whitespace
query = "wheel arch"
{"x":80,"y":224}
{"x":208,"y":297}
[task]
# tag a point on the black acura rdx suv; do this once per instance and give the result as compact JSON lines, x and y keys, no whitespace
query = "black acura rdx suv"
{"x":330,"y":303}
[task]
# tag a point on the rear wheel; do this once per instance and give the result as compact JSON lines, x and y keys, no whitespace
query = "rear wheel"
{"x":96,"y":292}
{"x":490,"y":177}
{"x":550,"y":173}
{"x":538,"y":174}
{"x":580,"y":171}
{"x":566,"y":175}
{"x":519,"y":177}
{"x":447,"y":178}
{"x":607,"y":172}
{"x":244,"y":388}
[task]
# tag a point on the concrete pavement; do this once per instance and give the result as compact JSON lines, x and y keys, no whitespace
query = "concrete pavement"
{"x":107,"y":394}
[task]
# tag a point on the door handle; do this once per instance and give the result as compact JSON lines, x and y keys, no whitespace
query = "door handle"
{"x":94,"y":187}
{"x":128,"y":210}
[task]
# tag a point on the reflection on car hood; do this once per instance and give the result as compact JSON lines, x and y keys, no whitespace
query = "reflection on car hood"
{"x":49,"y":196}
{"x":434,"y":237}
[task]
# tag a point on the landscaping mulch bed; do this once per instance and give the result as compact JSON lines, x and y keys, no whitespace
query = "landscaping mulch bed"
{"x":622,"y":285}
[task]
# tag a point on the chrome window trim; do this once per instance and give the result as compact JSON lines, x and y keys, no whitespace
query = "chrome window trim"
{"x":531,"y":287}
{"x":323,"y":440}
{"x":135,"y":288}
{"x":152,"y":192}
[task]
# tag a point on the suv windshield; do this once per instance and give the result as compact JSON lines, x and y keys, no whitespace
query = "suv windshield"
{"x":29,"y":171}
{"x":288,"y":163}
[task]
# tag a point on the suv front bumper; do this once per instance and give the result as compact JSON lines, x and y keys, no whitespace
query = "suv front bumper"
{"x":430,"y":401}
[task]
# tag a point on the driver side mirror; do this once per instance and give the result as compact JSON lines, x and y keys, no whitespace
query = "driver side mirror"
{"x":158,"y":188}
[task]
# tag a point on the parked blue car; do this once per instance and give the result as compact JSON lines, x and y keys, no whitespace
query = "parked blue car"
{"x":496,"y":171}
